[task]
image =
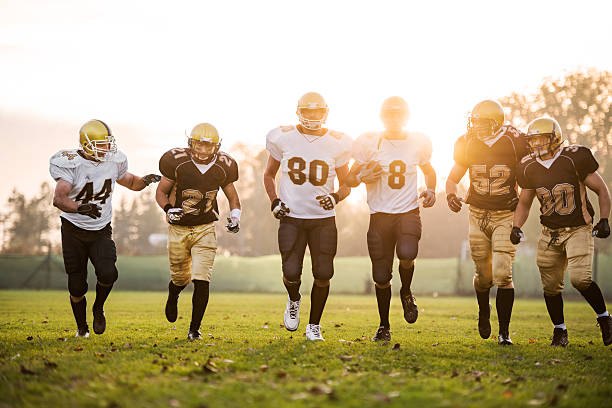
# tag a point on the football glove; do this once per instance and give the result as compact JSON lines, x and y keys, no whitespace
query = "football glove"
{"x":279,"y":209}
{"x":602,"y":229}
{"x":516,"y":235}
{"x":93,"y":210}
{"x":429,"y":198}
{"x":233,"y":225}
{"x":454,"y":202}
{"x":175,"y":215}
{"x":370,"y":173}
{"x":151,"y":178}
{"x":328,"y":201}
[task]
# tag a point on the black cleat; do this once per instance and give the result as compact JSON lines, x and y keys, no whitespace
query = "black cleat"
{"x":99,"y":320}
{"x":411,"y":311}
{"x":194,"y":335}
{"x":82,"y":332}
{"x":559,"y":337}
{"x":172,"y":309}
{"x":504,"y":338}
{"x":605,"y":324}
{"x":484,"y":325}
{"x":382,"y":334}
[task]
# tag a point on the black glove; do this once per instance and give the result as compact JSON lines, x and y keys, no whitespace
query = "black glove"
{"x":93,"y":210}
{"x":151,"y":178}
{"x":328,"y":201}
{"x":279,"y":209}
{"x":602,"y":229}
{"x":516,"y":235}
{"x":454,"y":202}
{"x":232,"y":225}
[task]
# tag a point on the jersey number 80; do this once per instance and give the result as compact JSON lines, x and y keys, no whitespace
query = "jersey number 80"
{"x":318,"y":171}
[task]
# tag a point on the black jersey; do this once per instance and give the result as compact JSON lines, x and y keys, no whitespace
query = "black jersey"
{"x":492,"y":168}
{"x":196,"y":192}
{"x":560,"y":188}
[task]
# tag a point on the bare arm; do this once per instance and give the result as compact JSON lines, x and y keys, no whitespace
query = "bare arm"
{"x":232,"y":196}
{"x":132,"y":182}
{"x":351,"y":179}
{"x":594,"y":182}
{"x":454,"y":177}
{"x":162,"y":194}
{"x":524,"y":205}
{"x":430,"y":176}
{"x":61,"y":199}
{"x":269,"y":177}
{"x":342,"y":173}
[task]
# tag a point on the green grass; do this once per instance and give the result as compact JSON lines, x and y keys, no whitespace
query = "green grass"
{"x":142,"y":360}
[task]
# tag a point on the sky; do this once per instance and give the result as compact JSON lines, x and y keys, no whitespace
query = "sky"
{"x":153,"y":70}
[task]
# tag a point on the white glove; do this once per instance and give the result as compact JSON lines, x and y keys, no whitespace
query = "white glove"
{"x":175,"y":215}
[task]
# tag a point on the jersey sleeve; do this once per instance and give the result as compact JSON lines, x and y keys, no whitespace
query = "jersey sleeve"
{"x":122,"y":164}
{"x":425,"y":151}
{"x":58,"y":172}
{"x":272,"y":144}
{"x":344,"y":153}
{"x":362,"y":148}
{"x":521,"y":177}
{"x":167,"y":166}
{"x":231,"y":170}
{"x":459,"y":154}
{"x":584,"y":161}
{"x":62,"y":165}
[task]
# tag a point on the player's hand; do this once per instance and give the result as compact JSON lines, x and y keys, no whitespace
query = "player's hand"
{"x":429,"y":198}
{"x":151,"y":178}
{"x":175,"y":215}
{"x":93,"y":210}
{"x":371,"y":172}
{"x":233,"y":225}
{"x":328,"y":201}
{"x":279,"y":209}
{"x":602,"y":229}
{"x":454,"y":202}
{"x":516,"y":235}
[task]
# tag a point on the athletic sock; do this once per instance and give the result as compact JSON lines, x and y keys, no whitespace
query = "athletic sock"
{"x":406,"y":278}
{"x":318,"y":297}
{"x":102,"y":293}
{"x":554,"y":305}
{"x":79,"y":310}
{"x":483,"y":301}
{"x":504,"y":302}
{"x":560,"y":326}
{"x":174,"y":290}
{"x":199,"y":301}
{"x":293,"y":289}
{"x":383,"y":297}
{"x":604,"y":314}
{"x":593,"y":295}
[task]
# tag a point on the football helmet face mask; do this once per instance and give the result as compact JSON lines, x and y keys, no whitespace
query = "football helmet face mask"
{"x":312,"y":111}
{"x":485,"y":120}
{"x":97,"y":141}
{"x":204,"y":143}
{"x":394,"y":113}
{"x":544,"y":137}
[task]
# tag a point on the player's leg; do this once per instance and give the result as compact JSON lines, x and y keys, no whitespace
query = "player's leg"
{"x":74,"y":251}
{"x":381,"y":248}
{"x":480,"y":248}
{"x":179,"y":256}
{"x":408,"y":234}
{"x":579,"y":249}
{"x":322,"y":238}
{"x":551,"y":261}
{"x":103,"y":255}
{"x":503,"y":257}
{"x":292,"y":246}
{"x":203,"y":253}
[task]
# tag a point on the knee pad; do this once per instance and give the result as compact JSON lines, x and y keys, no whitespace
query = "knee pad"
{"x":322,"y":283}
{"x":581,"y":281}
{"x":381,"y":272}
{"x":502,"y":268}
{"x":322,"y":267}
{"x":482,"y":284}
{"x":181,"y":276}
{"x":407,"y":247}
{"x":77,"y":284}
{"x":292,"y":269}
{"x":108,"y":276}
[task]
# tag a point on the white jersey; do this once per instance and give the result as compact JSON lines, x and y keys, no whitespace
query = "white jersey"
{"x":308,"y":165}
{"x":395,"y":192}
{"x":91,"y":182}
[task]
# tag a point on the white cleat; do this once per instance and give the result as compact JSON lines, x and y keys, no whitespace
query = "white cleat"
{"x":82,"y":332}
{"x":291,"y":318}
{"x":313,"y":333}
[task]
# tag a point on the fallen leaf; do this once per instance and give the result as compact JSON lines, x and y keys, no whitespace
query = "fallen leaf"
{"x":61,"y":338}
{"x":536,"y":402}
{"x":346,"y":358}
{"x":127,"y":345}
{"x":507,"y":381}
{"x":320,"y":389}
{"x":281,"y":374}
{"x":78,"y":348}
{"x":174,"y":403}
{"x":337,"y":325}
{"x":30,"y":338}
{"x":454,"y":373}
{"x":26,"y":371}
{"x":435,"y":344}
{"x":588,"y":357}
{"x":299,"y":396}
{"x":100,"y":355}
{"x":263,"y":368}
{"x":45,"y":322}
{"x":531,"y":341}
{"x":50,"y":365}
{"x":396,"y":346}
{"x":210,"y":367}
{"x":226,"y":361}
{"x":508,"y":394}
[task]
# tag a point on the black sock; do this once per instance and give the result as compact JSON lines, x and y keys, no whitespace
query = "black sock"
{"x":504,"y":302}
{"x":199,"y":301}
{"x":483,"y":301}
{"x":406,"y":278}
{"x":79,"y":310}
{"x":293,"y":289}
{"x":102,"y":293}
{"x":174,"y":290}
{"x":383,"y":297}
{"x":593,"y":295}
{"x":318,"y":297}
{"x":554,"y":304}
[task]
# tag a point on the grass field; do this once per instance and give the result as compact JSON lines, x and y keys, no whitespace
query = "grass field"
{"x":247,"y":359}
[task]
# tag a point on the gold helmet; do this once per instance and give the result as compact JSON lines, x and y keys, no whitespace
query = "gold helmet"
{"x":204,"y":142}
{"x":544,"y":136}
{"x":97,"y":141}
{"x":312,"y":110}
{"x":394,"y":112}
{"x":485,"y":120}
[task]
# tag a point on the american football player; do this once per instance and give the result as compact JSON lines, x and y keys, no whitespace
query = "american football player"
{"x":559,"y":176}
{"x":85,"y":183}
{"x":490,"y":151}
{"x":310,"y":158}
{"x":387,"y":163}
{"x":191,"y":178}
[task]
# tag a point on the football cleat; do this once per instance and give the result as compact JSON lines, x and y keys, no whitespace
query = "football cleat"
{"x":82,"y":332}
{"x":484,"y":325}
{"x":194,"y":335}
{"x":172,"y":309}
{"x":504,"y":338}
{"x":291,"y":318}
{"x":559,"y":337}
{"x":605,"y":324}
{"x":99,"y":320}
{"x":313,"y":332}
{"x":382,"y":334}
{"x":411,"y":311}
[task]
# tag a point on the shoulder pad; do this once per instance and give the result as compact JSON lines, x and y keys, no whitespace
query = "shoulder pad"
{"x":68,"y":158}
{"x":527,"y":158}
{"x":336,"y":134}
{"x":288,"y":128}
{"x":573,"y":148}
{"x":226,"y":157}
{"x":510,"y":130}
{"x":369,"y":136}
{"x":119,"y":157}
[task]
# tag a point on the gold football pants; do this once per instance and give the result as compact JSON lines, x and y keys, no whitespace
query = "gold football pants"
{"x":492,"y":251}
{"x":191,"y":251}
{"x":565,"y":248}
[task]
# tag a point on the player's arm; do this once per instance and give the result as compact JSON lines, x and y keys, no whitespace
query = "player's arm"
{"x":344,"y":190}
{"x":521,"y":213}
{"x":269,"y":178}
{"x":429,"y":195}
{"x":232,"y":196}
{"x":162,"y":194}
{"x":61,"y":199}
{"x":454,"y":177}
{"x":352,"y":179}
{"x":136,"y":183}
{"x":594,"y":182}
